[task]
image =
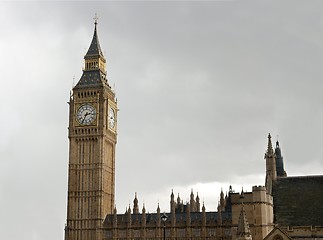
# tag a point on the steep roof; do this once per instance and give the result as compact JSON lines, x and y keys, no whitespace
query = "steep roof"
{"x":91,"y":79}
{"x":95,"y":48}
{"x":298,"y":201}
{"x":94,"y":74}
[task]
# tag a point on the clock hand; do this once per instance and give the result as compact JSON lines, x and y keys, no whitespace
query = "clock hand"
{"x":85,"y":116}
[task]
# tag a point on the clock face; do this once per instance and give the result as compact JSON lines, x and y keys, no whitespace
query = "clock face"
{"x":86,"y":114}
{"x":111,"y":118}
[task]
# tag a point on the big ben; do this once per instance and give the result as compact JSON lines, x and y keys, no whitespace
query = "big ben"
{"x":92,"y":141}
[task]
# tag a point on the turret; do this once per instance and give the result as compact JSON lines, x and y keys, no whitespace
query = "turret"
{"x":271,"y":174}
{"x":222,"y":200}
{"x":178,"y":200}
{"x":279,"y":162}
{"x":172,"y":209}
{"x":172,"y":201}
{"x":203,"y":216}
{"x":143,"y":220}
{"x":115,"y":220}
{"x":135,"y":205}
{"x":158,"y":216}
{"x":219,"y":219}
{"x":243,"y":232}
{"x":192,"y":202}
{"x":129,"y":216}
{"x":197,"y":201}
{"x":188,"y":215}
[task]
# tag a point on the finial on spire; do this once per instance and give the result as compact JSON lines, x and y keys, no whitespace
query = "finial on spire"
{"x":96,"y":19}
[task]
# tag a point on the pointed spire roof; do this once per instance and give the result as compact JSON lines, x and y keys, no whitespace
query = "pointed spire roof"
{"x":94,"y":72}
{"x":197,"y":197}
{"x":270,"y":151}
{"x":115,"y":209}
{"x":279,"y":161}
{"x":242,"y":193}
{"x":135,"y":205}
{"x":192,"y":194}
{"x":135,"y":200}
{"x":95,"y":48}
{"x":143,"y":209}
{"x":243,"y":226}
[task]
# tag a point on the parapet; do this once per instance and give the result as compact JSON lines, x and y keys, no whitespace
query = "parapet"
{"x":258,"y":188}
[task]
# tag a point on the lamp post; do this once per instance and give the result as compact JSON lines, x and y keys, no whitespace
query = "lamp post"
{"x":164,"y":219}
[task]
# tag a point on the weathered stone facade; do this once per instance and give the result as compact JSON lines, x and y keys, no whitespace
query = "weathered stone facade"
{"x":285,"y":208}
{"x":92,"y":139}
{"x":183,"y":223}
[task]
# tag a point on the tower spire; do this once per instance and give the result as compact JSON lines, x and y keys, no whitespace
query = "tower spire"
{"x":135,"y":205}
{"x":271,"y":173}
{"x":270,"y":151}
{"x":95,"y":48}
{"x":279,"y":161}
{"x":94,"y":72}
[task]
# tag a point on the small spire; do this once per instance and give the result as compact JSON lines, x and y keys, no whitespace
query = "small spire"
{"x":135,"y":204}
{"x":192,"y":194}
{"x":279,"y":161}
{"x":270,"y":151}
{"x":242,"y":195}
{"x":178,"y":199}
{"x":143,"y":209}
{"x":115,"y":209}
{"x":95,"y":48}
{"x":243,"y":232}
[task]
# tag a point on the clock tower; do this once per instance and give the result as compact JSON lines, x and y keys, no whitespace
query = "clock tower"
{"x":92,"y":136}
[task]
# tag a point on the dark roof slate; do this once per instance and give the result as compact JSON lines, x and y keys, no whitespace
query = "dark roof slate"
{"x":92,"y":78}
{"x":298,"y":201}
{"x":95,"y":48}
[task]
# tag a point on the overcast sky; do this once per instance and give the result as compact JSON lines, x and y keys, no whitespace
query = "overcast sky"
{"x":199,"y":86}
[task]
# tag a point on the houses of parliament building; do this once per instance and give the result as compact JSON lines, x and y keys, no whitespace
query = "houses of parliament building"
{"x":284,"y":208}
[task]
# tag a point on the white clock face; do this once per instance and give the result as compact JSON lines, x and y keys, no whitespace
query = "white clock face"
{"x":111,"y":118}
{"x":86,"y":114}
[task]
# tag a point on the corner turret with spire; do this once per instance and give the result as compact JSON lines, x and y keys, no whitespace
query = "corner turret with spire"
{"x":271,"y":173}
